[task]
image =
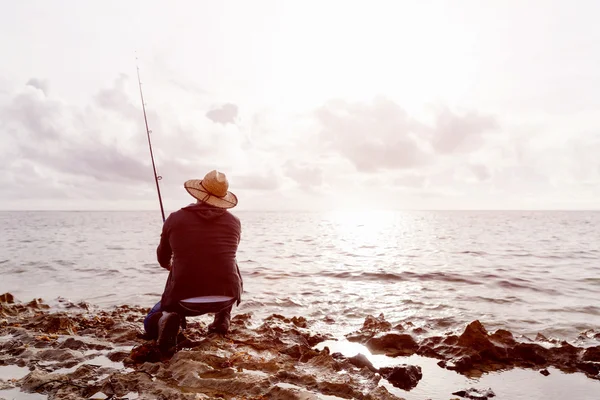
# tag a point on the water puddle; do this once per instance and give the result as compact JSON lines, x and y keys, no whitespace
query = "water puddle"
{"x":12,"y":372}
{"x":440,"y":383}
{"x":101,"y":361}
{"x":16,"y":394}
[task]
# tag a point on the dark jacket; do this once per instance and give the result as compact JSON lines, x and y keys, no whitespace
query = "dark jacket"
{"x":203,"y":242}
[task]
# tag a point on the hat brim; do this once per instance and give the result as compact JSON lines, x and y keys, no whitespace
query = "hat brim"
{"x":195,"y":189}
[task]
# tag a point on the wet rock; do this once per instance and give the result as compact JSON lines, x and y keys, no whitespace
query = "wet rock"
{"x":503,"y":338}
{"x":476,"y":394}
{"x":530,"y":352}
{"x":590,"y":368}
{"x":59,"y":323}
{"x":147,"y":352}
{"x":361,"y":361}
{"x":117,"y":356}
{"x":475,"y":337}
{"x":403,"y":376}
{"x":60,"y":355}
{"x":7,"y":298}
{"x":280,"y":393}
{"x":592,"y":354}
{"x":37,"y":304}
{"x":295,"y":351}
{"x":73,"y":344}
{"x":393,"y":344}
{"x":241,"y":320}
{"x":255,"y":361}
{"x":125,"y":335}
{"x":370,"y":328}
{"x":35,"y":380}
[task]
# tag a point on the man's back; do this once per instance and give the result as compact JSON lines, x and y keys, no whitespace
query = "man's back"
{"x":203,"y":241}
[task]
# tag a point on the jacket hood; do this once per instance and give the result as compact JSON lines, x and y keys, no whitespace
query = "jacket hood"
{"x":204,"y":210}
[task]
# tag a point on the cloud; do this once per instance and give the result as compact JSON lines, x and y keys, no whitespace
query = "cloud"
{"x":306,"y":175}
{"x":372,"y":136}
{"x":226,"y":114}
{"x":267,"y":181}
{"x":39,"y":84}
{"x":381,"y":135}
{"x":96,"y":154}
{"x":116,"y":99}
{"x":453,"y":133}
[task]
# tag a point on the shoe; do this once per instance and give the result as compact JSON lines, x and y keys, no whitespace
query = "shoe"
{"x":222,"y":327}
{"x":168,"y":328}
{"x":152,"y":326}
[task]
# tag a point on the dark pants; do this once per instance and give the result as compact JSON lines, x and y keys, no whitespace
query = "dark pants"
{"x":222,"y":316}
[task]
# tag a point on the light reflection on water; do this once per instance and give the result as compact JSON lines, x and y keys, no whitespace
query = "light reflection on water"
{"x":527,"y":272}
{"x":440,"y":383}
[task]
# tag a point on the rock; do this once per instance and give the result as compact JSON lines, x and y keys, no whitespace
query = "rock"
{"x":7,"y":298}
{"x":503,"y":337}
{"x":144,"y":353}
{"x":393,"y":344}
{"x":370,"y":328}
{"x":59,"y":323}
{"x":361,"y":361}
{"x":545,"y":372}
{"x":589,"y":367}
{"x":475,"y":337}
{"x":73,"y":344}
{"x":530,"y":352}
{"x":61,"y":355}
{"x":592,"y":354}
{"x":117,"y":356}
{"x":475,"y":394}
{"x":403,"y":376}
{"x":257,"y":361}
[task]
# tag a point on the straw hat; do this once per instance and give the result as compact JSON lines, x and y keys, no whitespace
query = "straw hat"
{"x":213,"y":190}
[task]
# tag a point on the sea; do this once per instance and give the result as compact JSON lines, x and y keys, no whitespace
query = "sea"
{"x":526,"y":271}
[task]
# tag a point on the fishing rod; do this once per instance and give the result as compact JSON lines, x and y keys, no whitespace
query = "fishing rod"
{"x":156,"y":177}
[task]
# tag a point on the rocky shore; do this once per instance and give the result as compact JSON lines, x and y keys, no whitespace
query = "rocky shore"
{"x":76,"y":352}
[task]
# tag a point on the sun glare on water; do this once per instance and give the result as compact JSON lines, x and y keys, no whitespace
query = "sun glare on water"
{"x":363,"y":228}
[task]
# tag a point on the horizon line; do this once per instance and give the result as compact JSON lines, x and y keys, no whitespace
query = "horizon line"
{"x":320,"y":210}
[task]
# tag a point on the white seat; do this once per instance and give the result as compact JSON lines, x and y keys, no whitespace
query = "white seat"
{"x":206,"y":304}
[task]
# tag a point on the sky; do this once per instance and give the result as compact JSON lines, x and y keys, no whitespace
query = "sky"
{"x":302,"y":104}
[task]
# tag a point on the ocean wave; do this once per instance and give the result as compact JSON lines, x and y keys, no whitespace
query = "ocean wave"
{"x":590,"y":310}
{"x":474,"y":253}
{"x":512,"y":285}
{"x":494,"y":300}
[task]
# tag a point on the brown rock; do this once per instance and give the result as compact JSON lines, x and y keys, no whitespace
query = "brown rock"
{"x":361,"y":361}
{"x":7,"y":298}
{"x":393,"y":344}
{"x":403,"y":376}
{"x":590,"y":368}
{"x":58,"y":323}
{"x":592,"y":354}
{"x":370,"y":328}
{"x":503,"y":337}
{"x":475,"y":394}
{"x":530,"y":352}
{"x":117,"y":356}
{"x":475,"y":337}
{"x":73,"y":344}
{"x":60,"y":355}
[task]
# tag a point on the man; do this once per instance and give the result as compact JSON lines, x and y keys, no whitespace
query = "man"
{"x":198,"y":246}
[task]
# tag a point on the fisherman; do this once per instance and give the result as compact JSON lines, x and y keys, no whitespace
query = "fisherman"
{"x":198,"y":247}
